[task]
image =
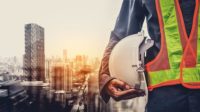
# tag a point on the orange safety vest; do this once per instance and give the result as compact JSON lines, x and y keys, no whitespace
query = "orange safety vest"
{"x":178,"y":61}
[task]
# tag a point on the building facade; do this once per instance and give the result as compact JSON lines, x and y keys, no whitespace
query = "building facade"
{"x":34,"y":57}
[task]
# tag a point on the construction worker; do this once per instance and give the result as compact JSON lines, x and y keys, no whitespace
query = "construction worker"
{"x":172,"y":64}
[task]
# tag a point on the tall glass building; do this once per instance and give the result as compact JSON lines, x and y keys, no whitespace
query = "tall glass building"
{"x":34,"y":57}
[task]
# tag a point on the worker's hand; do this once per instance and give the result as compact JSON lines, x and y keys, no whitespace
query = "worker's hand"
{"x":120,"y":90}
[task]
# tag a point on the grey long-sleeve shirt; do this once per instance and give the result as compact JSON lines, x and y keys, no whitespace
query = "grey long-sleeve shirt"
{"x":130,"y":21}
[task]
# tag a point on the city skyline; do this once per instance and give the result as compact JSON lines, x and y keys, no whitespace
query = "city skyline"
{"x":77,"y":26}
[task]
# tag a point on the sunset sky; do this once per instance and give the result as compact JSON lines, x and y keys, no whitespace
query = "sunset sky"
{"x":80,"y":26}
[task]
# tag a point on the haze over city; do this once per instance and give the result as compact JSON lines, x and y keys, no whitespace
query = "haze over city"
{"x":81,"y":27}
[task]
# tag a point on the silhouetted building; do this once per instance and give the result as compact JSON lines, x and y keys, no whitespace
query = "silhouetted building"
{"x":68,"y":78}
{"x":57,"y":82}
{"x":34,"y":58}
{"x":61,"y":78}
{"x":13,"y":97}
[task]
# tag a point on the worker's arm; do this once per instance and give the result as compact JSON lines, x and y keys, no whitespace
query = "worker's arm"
{"x":129,"y":21}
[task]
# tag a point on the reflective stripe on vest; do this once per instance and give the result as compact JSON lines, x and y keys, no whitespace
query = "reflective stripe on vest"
{"x":178,"y":61}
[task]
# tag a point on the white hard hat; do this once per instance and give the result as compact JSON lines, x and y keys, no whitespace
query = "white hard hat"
{"x":124,"y":59}
{"x":126,"y":63}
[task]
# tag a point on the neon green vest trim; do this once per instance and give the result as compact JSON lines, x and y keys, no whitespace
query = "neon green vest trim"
{"x":165,"y":75}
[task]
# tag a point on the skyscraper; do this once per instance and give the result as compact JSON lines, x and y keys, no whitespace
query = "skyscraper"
{"x":57,"y":78}
{"x":68,"y":78}
{"x":34,"y":57}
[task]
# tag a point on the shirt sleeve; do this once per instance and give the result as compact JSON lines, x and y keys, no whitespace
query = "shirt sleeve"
{"x":129,"y":21}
